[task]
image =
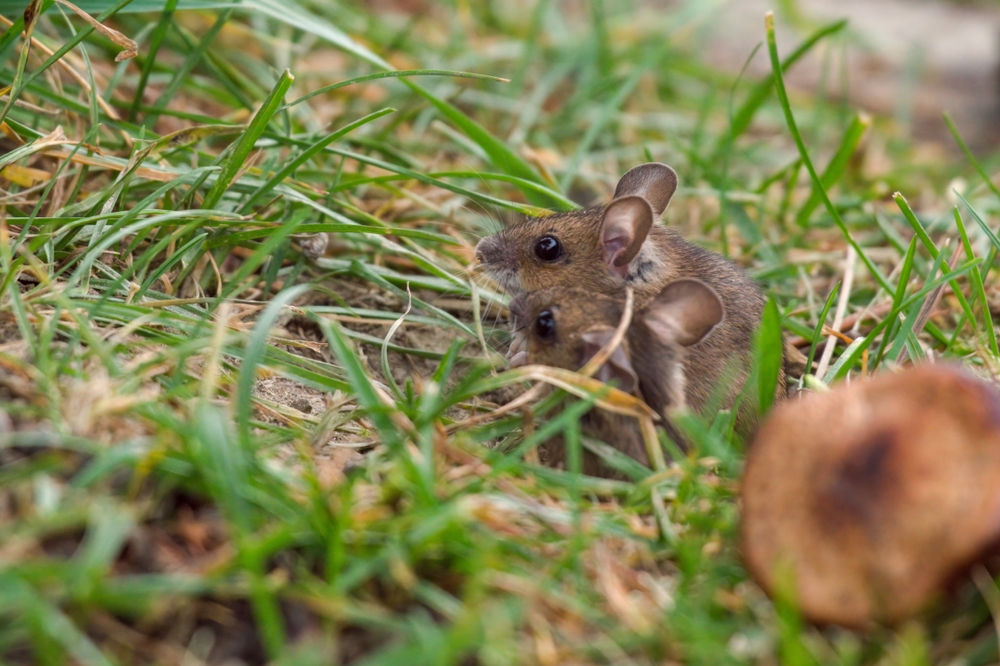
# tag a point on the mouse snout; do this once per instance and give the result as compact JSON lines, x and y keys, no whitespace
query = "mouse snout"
{"x":488,"y":251}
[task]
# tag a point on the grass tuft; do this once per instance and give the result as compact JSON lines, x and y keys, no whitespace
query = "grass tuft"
{"x":252,"y":402}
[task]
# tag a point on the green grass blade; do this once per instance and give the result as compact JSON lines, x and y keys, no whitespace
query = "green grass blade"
{"x":222,"y":463}
{"x":571,"y":413}
{"x":854,"y":351}
{"x":435,"y":176}
{"x":361,"y":383}
{"x":968,"y":154}
{"x":235,"y":283}
{"x":906,"y":333}
{"x":745,"y":114}
{"x":366,"y":271}
{"x":61,"y":630}
{"x":443,"y":184}
{"x":607,"y":111}
{"x":399,"y":73}
{"x":193,"y":56}
{"x":982,"y":225}
{"x":308,"y":154}
{"x":87,"y":260}
{"x":324,"y":228}
{"x":821,"y":322}
{"x":522,"y":184}
{"x":772,"y":48}
{"x":248,"y":139}
{"x":155,"y":41}
{"x":28,"y":20}
{"x":838,"y":163}
{"x":293,"y":14}
{"x":976,"y":278}
{"x":502,"y":157}
{"x":918,"y":228}
{"x":108,"y":529}
{"x":897,"y":298}
{"x":256,"y":346}
{"x":769,"y":355}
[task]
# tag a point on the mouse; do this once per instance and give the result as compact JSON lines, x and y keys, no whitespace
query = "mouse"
{"x":565,"y":327}
{"x":606,"y":249}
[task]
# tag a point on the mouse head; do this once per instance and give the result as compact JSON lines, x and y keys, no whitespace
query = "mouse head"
{"x":592,"y":248}
{"x":565,"y":328}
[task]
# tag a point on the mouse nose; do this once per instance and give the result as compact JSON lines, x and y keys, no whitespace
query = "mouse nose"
{"x":487,"y":251}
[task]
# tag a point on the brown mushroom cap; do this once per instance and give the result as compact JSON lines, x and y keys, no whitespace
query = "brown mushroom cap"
{"x":874,"y":495}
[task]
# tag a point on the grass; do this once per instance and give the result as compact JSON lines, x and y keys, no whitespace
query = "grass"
{"x":185,"y":370}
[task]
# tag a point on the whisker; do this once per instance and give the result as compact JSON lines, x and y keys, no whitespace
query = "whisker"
{"x":496,"y":322}
{"x":490,"y":303}
{"x":492,"y":225}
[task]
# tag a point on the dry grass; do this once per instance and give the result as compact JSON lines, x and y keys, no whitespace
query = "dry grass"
{"x":188,"y":375}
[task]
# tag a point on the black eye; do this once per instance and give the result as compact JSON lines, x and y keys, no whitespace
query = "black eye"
{"x":548,"y":248}
{"x":545,"y":324}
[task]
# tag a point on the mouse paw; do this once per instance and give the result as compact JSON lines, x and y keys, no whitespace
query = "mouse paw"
{"x":519,"y":359}
{"x":518,"y":345}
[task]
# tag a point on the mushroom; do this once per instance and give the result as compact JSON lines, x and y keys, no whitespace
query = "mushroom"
{"x":871,"y":498}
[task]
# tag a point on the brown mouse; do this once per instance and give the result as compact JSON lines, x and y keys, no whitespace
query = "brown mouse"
{"x":605,"y":249}
{"x":565,"y":328}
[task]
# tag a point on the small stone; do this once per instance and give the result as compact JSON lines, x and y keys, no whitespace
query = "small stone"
{"x":302,"y":405}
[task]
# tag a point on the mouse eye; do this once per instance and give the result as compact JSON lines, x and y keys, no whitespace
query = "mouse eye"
{"x":548,"y":248}
{"x":545,"y":324}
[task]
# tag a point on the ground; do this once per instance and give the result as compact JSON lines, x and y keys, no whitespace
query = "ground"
{"x":252,"y":389}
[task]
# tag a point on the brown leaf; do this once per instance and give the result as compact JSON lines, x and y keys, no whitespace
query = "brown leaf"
{"x":614,"y":400}
{"x":870,"y":498}
{"x":129,"y":48}
{"x":24,"y":176}
{"x":7,"y":129}
{"x":31,"y":15}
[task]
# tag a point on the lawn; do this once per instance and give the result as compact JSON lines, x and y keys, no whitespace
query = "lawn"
{"x":252,"y":386}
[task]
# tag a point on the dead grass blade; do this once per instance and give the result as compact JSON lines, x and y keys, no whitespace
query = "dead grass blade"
{"x":129,"y":48}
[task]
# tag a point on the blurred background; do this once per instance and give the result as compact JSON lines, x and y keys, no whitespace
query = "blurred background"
{"x":908,"y":59}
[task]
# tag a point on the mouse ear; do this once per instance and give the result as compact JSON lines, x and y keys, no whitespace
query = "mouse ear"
{"x":624,"y":228}
{"x":617,"y":367}
{"x":684,"y":312}
{"x":654,"y":182}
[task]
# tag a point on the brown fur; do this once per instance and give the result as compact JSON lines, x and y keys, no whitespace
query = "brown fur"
{"x":619,"y":431}
{"x":658,"y":368}
{"x":723,"y":356}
